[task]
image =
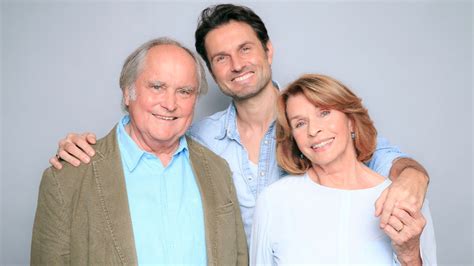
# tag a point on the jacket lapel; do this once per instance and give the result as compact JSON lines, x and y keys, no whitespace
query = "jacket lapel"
{"x":111,"y":188}
{"x":204,"y":181}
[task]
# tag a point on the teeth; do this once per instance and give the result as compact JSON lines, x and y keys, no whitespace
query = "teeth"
{"x":168,"y":118}
{"x":322,"y":144}
{"x":244,"y":77}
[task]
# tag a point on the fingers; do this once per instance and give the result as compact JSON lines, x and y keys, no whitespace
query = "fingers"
{"x":55,"y":162}
{"x":410,"y":216}
{"x":91,"y":138}
{"x":405,"y":224}
{"x":403,"y":216}
{"x":83,"y":143}
{"x":68,"y":158}
{"x":380,"y":202}
{"x":396,"y":223}
{"x":387,"y":209}
{"x":411,"y":208}
{"x":76,"y":148}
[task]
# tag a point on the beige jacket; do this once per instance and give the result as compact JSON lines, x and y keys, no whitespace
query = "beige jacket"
{"x":83,"y":215}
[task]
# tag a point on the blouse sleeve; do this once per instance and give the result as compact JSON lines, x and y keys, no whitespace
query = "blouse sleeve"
{"x":261,"y":252}
{"x":427,"y":238}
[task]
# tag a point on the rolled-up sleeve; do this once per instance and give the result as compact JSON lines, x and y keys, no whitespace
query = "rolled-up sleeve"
{"x":383,"y":157}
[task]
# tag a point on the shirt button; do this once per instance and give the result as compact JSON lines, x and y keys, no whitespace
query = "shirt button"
{"x":266,"y":142}
{"x":250,"y":177}
{"x":262,"y":173}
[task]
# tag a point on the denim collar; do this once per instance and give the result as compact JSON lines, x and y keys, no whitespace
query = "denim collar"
{"x":230,"y":121}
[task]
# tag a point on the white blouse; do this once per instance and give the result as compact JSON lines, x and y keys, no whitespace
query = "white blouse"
{"x":298,"y":221}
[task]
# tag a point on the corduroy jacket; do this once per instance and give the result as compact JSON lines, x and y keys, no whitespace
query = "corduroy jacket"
{"x":83,"y":215}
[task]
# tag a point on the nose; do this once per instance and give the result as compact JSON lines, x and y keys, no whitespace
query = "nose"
{"x":168,"y":102}
{"x":237,"y":64}
{"x":313,"y":129}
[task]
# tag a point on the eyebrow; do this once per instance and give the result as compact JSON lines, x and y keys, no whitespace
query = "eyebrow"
{"x":294,"y":117}
{"x":190,"y":88}
{"x":156,"y":83}
{"x":239,"y":47}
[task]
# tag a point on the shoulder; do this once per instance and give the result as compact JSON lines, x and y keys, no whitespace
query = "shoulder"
{"x":208,"y":128}
{"x":71,"y":178}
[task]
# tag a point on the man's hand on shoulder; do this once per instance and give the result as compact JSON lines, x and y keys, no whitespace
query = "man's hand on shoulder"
{"x":74,"y":149}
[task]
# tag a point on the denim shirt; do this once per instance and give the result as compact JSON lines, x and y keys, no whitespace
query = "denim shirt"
{"x":219,"y":133}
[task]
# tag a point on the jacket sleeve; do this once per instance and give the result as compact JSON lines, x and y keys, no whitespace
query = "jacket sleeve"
{"x":50,"y":240}
{"x":242,"y":249}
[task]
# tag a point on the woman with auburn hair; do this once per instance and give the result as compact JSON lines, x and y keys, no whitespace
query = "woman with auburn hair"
{"x":322,"y":213}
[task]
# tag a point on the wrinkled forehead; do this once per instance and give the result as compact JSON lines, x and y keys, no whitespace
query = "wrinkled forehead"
{"x":171,"y":64}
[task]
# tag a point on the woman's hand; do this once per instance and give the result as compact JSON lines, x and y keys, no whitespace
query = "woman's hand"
{"x":404,"y":229}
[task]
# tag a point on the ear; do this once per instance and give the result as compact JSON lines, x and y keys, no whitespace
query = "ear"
{"x":350,"y":124}
{"x":126,"y":96}
{"x":269,"y":46}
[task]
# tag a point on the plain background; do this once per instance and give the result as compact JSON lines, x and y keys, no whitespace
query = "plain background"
{"x":410,"y":61}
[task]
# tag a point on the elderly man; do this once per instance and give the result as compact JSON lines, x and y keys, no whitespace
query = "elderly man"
{"x":150,"y":194}
{"x":234,"y":42}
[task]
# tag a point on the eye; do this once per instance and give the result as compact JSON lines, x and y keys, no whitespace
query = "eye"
{"x":157,"y":86}
{"x":299,"y":124}
{"x":325,"y":113}
{"x":246,"y":49}
{"x":220,"y":58}
{"x":185,"y":92}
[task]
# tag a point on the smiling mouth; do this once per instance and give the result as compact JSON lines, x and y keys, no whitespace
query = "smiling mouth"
{"x":322,"y":144}
{"x":243,"y":77}
{"x":166,"y":118}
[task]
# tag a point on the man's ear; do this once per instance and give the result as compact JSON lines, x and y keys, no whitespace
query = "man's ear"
{"x":126,"y":96}
{"x":269,"y":51}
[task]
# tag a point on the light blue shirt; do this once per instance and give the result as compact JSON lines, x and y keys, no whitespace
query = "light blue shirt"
{"x":165,"y":204}
{"x":219,"y":133}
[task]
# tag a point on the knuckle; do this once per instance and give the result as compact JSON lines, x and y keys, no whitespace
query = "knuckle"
{"x":67,"y":146}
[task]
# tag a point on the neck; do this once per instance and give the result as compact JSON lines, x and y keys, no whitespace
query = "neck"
{"x":259,"y":111}
{"x":164,"y":150}
{"x":345,"y":172}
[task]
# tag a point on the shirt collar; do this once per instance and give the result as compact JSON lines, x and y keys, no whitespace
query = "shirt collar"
{"x":230,"y":120}
{"x":131,"y":153}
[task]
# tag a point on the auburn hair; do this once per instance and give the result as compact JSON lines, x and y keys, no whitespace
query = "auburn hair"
{"x":328,"y":93}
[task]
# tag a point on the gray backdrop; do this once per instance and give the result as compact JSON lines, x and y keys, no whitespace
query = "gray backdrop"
{"x":411,"y":62}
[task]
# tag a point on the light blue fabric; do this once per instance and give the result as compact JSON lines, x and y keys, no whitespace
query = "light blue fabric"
{"x":219,"y":133}
{"x":165,"y":204}
{"x":300,"y":222}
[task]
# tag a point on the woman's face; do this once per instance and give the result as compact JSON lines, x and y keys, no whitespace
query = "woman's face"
{"x":322,"y":135}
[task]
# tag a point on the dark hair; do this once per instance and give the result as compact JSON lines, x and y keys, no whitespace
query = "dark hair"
{"x":218,"y":15}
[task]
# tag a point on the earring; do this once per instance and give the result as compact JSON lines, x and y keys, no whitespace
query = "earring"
{"x":301,"y":156}
{"x":353,"y":135}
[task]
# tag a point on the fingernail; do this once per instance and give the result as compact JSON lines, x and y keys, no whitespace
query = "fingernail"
{"x":86,"y":159}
